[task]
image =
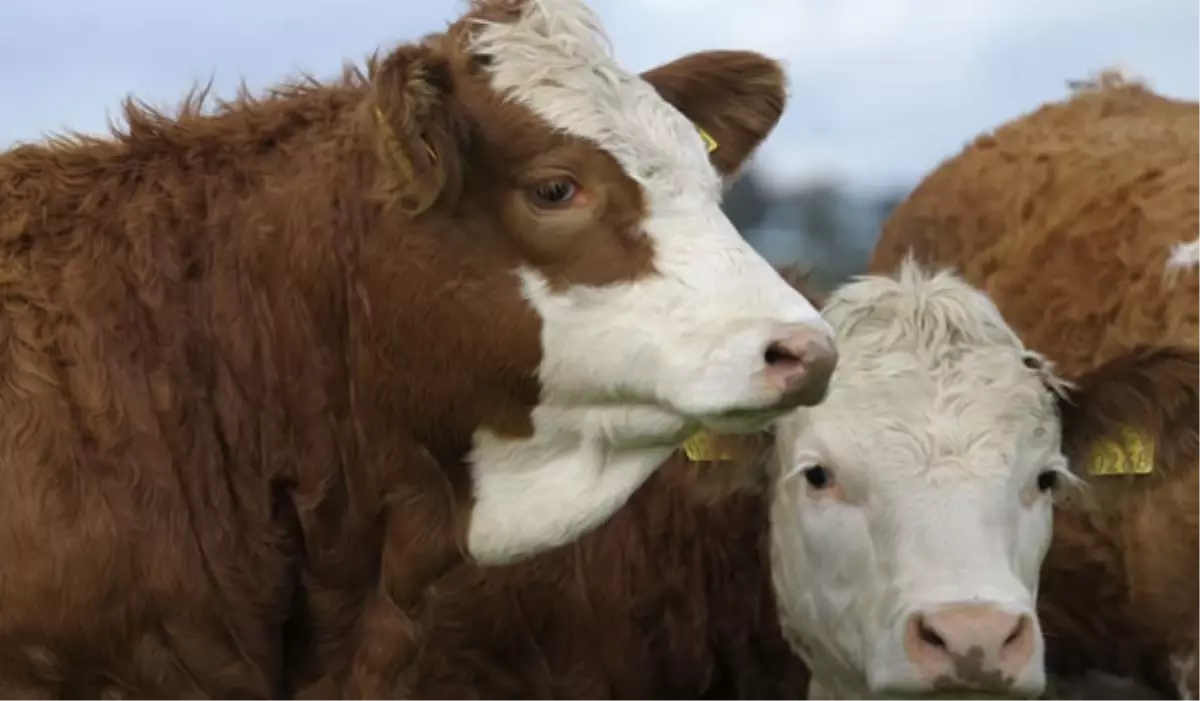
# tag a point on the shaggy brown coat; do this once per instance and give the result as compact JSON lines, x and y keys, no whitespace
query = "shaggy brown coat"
{"x":1066,"y":217}
{"x":238,"y":377}
{"x":669,"y":599}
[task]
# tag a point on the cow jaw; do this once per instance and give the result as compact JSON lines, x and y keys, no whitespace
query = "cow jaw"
{"x":578,"y":468}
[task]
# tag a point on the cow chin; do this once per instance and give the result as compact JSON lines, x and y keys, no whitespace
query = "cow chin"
{"x":753,"y":418}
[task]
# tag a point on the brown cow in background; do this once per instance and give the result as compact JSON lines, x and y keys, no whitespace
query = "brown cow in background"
{"x":1076,"y":219}
{"x":267,"y":370}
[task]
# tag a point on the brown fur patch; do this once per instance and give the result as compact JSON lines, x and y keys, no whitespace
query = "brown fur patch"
{"x":1066,"y":217}
{"x":669,"y":599}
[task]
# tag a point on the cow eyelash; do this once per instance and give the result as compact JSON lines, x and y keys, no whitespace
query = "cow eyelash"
{"x":554,"y":193}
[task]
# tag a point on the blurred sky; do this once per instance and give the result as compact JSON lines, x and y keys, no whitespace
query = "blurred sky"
{"x":881,"y":90}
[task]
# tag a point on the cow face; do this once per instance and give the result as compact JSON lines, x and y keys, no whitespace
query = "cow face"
{"x":646,"y":292}
{"x":912,"y":508}
{"x":613,"y":279}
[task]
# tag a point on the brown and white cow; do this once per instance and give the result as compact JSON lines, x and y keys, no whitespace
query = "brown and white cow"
{"x":923,"y":482}
{"x":1080,"y":221}
{"x":267,"y":369}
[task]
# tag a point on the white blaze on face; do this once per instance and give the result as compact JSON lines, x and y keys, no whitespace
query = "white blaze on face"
{"x":628,"y":369}
{"x":914,"y":488}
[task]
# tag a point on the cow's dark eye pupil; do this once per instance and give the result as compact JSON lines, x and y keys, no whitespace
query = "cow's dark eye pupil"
{"x":556,"y":192}
{"x":1047,"y":480}
{"x":817,"y":476}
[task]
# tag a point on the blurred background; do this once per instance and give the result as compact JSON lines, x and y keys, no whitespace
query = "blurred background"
{"x":881,"y":90}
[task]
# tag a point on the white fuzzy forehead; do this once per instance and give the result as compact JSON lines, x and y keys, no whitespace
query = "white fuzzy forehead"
{"x":557,"y":61}
{"x":930,"y":370}
{"x":919,"y":312}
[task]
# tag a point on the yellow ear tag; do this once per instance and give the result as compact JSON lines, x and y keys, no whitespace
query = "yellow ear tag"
{"x":702,"y":448}
{"x":709,"y":141}
{"x":1130,"y":453}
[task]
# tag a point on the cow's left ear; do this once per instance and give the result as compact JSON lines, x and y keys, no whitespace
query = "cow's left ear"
{"x":736,"y":97}
{"x":415,"y":130}
{"x":1140,"y":407}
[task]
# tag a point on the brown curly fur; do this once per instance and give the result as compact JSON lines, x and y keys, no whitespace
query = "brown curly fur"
{"x":1066,"y":218}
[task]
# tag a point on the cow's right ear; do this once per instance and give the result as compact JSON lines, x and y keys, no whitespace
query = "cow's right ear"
{"x":415,"y":130}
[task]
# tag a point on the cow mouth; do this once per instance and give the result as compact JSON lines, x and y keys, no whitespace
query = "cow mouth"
{"x":756,"y":418}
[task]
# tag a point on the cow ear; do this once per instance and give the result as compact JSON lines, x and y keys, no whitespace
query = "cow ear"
{"x":1135,"y":415}
{"x":414,"y":130}
{"x":734,"y":97}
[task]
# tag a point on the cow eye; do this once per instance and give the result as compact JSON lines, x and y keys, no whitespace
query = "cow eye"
{"x":1047,"y":480}
{"x":554,"y":193}
{"x":818,"y":477}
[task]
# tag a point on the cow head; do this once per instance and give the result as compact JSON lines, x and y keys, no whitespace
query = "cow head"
{"x":912,"y":508}
{"x":611,"y":307}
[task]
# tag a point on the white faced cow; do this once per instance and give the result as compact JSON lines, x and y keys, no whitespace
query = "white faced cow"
{"x":912,"y":508}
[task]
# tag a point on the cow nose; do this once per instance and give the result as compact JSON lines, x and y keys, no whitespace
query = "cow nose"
{"x":799,"y":363}
{"x":977,"y":645}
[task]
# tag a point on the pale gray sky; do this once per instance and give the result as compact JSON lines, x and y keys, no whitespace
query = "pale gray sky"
{"x":881,"y":90}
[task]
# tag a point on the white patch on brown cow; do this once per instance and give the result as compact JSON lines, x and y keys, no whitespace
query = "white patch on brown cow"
{"x":1183,"y":257}
{"x":1114,"y":76}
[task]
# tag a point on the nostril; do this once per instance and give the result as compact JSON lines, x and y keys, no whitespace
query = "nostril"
{"x":1018,"y":631}
{"x":929,"y":636}
{"x":780,"y":355}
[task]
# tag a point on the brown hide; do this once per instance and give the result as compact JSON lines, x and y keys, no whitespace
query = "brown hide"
{"x":1066,"y":217}
{"x":244,"y":353}
{"x":668,"y":599}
